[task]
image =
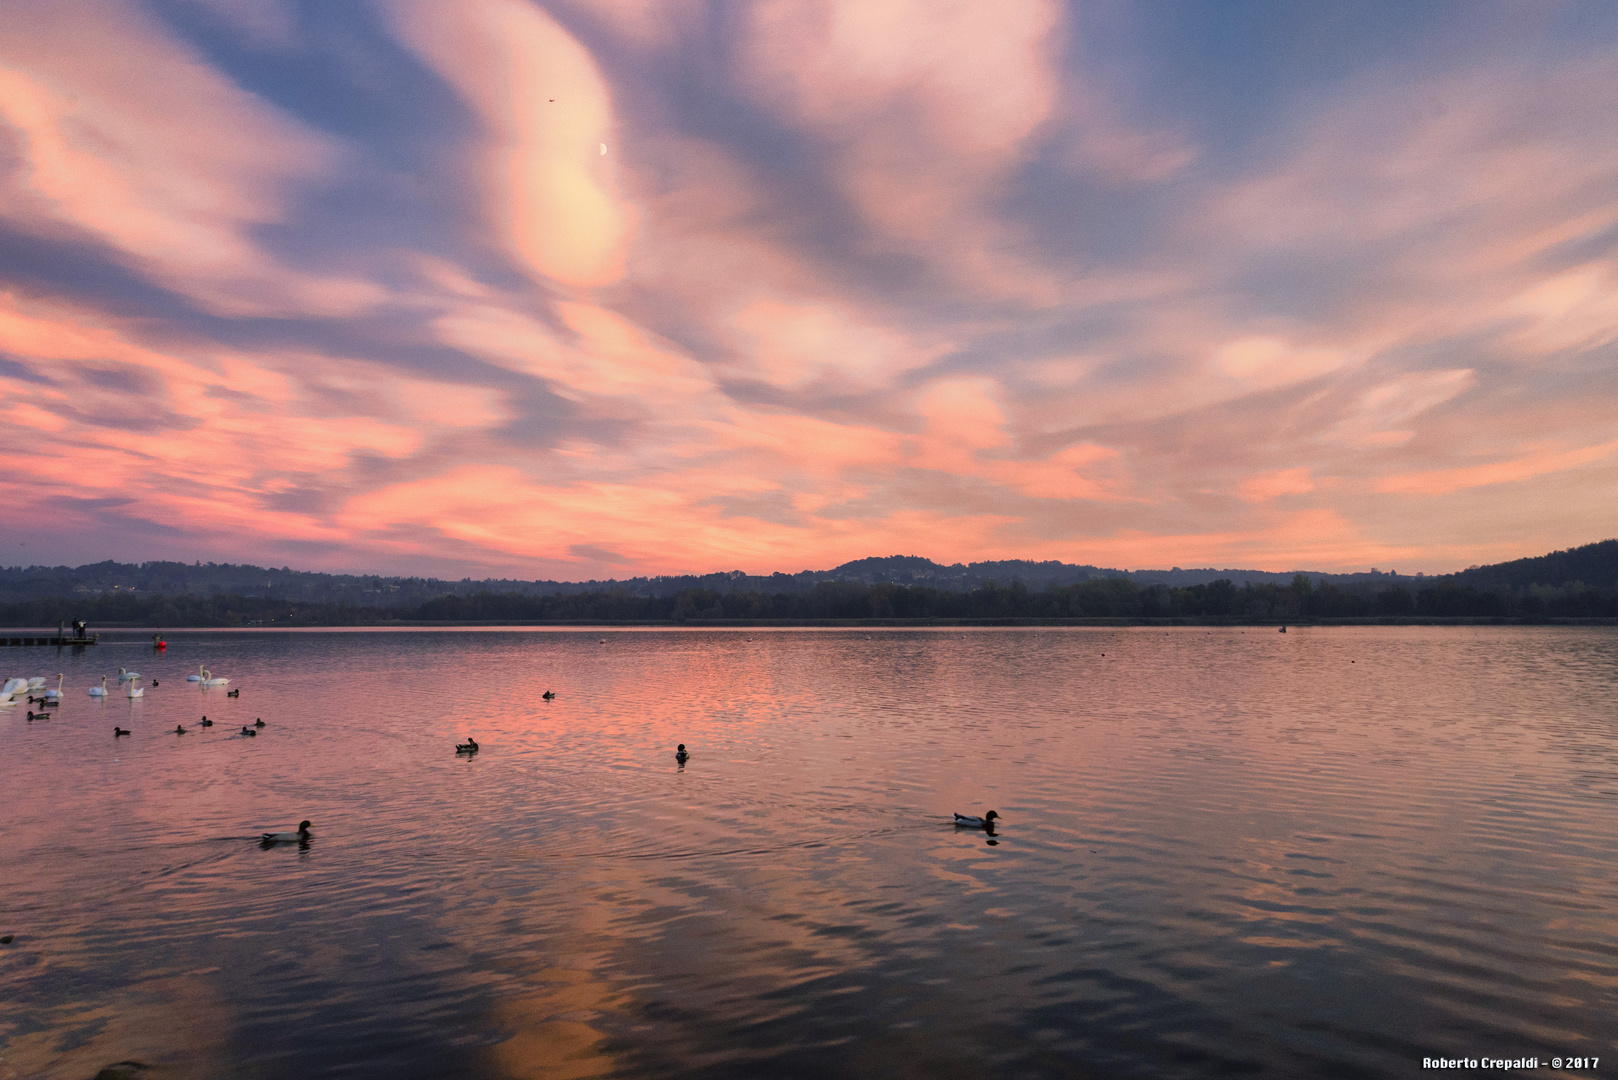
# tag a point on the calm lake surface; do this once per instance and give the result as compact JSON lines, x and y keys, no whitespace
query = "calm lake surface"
{"x":1224,"y":853}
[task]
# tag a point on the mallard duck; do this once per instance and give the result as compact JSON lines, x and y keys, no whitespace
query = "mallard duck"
{"x":288,"y":837}
{"x":249,"y":732}
{"x":39,"y":716}
{"x":548,"y":695}
{"x":967,"y":821}
{"x":117,"y":731}
{"x":234,"y":693}
{"x":260,"y":723}
{"x":206,"y":722}
{"x":680,"y":754}
{"x":470,"y":746}
{"x":179,"y":729}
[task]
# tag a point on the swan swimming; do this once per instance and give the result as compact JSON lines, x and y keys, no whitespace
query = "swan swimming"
{"x":288,"y":837}
{"x":127,"y":676}
{"x":136,"y":691}
{"x":54,"y":695}
{"x":199,"y":676}
{"x":967,"y":821}
{"x":209,"y":680}
{"x":99,"y":691}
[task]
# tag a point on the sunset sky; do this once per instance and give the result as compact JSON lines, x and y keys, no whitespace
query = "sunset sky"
{"x":620,"y":287}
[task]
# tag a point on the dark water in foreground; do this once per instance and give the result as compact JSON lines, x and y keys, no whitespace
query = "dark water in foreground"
{"x":1224,"y":853}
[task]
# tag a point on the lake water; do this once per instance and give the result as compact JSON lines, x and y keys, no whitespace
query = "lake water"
{"x":1223,"y":852}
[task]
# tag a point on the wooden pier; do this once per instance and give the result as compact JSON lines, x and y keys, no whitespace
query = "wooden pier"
{"x":54,"y":639}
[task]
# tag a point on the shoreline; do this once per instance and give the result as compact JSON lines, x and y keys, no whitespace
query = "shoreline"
{"x":722,"y":624}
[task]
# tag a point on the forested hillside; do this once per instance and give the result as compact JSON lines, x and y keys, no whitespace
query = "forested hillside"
{"x":1579,"y":583}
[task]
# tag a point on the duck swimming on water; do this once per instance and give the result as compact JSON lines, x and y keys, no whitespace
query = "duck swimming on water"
{"x":680,"y":755}
{"x":206,"y":722}
{"x":288,"y":837}
{"x":968,"y":821}
{"x":117,"y":731}
{"x":470,"y":746}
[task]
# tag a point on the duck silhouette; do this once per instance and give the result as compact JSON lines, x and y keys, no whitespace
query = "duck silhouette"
{"x":299,"y":837}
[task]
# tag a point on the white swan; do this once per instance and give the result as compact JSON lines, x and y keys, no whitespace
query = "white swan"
{"x":209,"y":680}
{"x":99,"y":691}
{"x":127,"y":676}
{"x":55,"y":694}
{"x":36,"y":683}
{"x":197,"y":677}
{"x":136,"y":691}
{"x":13,"y":686}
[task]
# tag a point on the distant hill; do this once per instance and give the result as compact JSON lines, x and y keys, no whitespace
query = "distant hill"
{"x":397,"y":593}
{"x":1577,"y":584}
{"x":1593,"y":565}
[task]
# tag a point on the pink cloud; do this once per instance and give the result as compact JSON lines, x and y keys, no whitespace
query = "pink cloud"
{"x":548,"y":113}
{"x":128,"y":135}
{"x":1536,"y":463}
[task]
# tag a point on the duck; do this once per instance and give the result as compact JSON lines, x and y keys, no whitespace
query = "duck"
{"x":260,"y":723}
{"x":99,"y":691}
{"x":470,"y":746}
{"x":154,"y":682}
{"x":234,"y":693}
{"x":679,"y":753}
{"x":249,"y":731}
{"x":206,"y":722}
{"x":179,"y":729}
{"x":125,"y":675}
{"x":288,"y":837}
{"x":38,"y":716}
{"x":548,"y":695}
{"x":968,"y":821}
{"x":117,"y":731}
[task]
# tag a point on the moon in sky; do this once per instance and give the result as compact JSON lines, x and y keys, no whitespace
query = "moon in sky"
{"x":603,"y":148}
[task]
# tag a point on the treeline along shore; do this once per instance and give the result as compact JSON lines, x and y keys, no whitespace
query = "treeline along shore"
{"x":1107,"y":599}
